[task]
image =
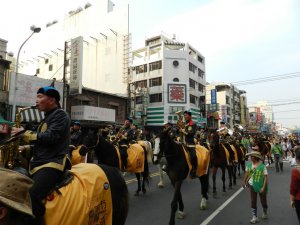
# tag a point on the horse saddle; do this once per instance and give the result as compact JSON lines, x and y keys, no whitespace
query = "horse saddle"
{"x":66,"y":179}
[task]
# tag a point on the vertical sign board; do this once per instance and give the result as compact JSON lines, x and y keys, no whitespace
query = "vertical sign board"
{"x":258,"y":116}
{"x":176,"y":93}
{"x":224,"y":113}
{"x":76,"y":65}
{"x":213,"y":94}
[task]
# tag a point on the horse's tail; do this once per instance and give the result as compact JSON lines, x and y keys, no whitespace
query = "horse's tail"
{"x":119,"y":193}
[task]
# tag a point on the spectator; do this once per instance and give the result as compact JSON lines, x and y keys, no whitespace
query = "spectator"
{"x":15,"y":204}
{"x":277,"y":152}
{"x":295,"y":185}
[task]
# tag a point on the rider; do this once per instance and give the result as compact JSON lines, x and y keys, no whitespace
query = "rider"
{"x":76,"y":134}
{"x":50,"y":148}
{"x":126,"y":136}
{"x":188,"y":139}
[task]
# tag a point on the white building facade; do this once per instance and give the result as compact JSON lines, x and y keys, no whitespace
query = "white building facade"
{"x":167,"y":76}
{"x":106,"y":43}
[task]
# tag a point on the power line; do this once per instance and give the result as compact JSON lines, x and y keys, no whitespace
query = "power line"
{"x":295,"y":110}
{"x":288,"y":103}
{"x":267,"y":79}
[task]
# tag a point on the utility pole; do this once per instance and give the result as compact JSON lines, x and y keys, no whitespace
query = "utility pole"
{"x":64,"y":75}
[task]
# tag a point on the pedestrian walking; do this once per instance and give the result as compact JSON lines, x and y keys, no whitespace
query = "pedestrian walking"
{"x":295,"y":185}
{"x":277,"y":152}
{"x":284,"y":148}
{"x":256,"y":180}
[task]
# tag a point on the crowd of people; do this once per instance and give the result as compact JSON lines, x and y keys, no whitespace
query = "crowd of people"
{"x":50,"y":145}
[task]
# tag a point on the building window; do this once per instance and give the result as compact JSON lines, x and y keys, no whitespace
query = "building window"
{"x":192,"y":67}
{"x":116,"y":108}
{"x":46,"y":61}
{"x":228,"y":111}
{"x":193,"y":99}
{"x":155,"y":82}
{"x":68,"y":62}
{"x":192,"y":83}
{"x":139,"y":100}
{"x":200,"y":73}
{"x":200,"y":59}
{"x":141,"y":69}
{"x":175,"y":79}
{"x":155,"y":98}
{"x":155,"y":66}
{"x":37,"y":71}
{"x":50,"y":67}
{"x":201,"y":87}
{"x":141,"y":84}
{"x":227,"y":100}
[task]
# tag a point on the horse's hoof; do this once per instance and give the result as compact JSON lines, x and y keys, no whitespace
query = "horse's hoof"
{"x":137,"y":193}
{"x":160,"y":184}
{"x":234,"y":182}
{"x":224,"y":189}
{"x":203,"y":204}
{"x":180,"y":215}
{"x":144,"y":191}
{"x":230,"y":187}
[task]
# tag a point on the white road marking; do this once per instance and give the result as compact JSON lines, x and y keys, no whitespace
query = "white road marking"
{"x":218,"y":210}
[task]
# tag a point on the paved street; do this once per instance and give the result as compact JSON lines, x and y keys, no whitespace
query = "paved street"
{"x":154,"y":207}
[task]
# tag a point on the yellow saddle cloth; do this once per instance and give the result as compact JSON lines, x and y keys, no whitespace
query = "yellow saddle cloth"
{"x":203,"y":158}
{"x":227,"y":154}
{"x":86,"y":200}
{"x":235,"y":153}
{"x":143,"y":144}
{"x":76,"y":157}
{"x":135,"y":160}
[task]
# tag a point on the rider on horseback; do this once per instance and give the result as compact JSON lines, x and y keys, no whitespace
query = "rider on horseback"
{"x":188,"y":133}
{"x":49,"y":146}
{"x":126,"y":135}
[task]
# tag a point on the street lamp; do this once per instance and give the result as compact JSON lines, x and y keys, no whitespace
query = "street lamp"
{"x":34,"y":29}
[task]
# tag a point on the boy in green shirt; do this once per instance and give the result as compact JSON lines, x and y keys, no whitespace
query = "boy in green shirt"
{"x":278,"y":153}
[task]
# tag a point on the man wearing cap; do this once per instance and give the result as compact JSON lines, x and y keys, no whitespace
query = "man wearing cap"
{"x":76,"y":134}
{"x":49,"y":146}
{"x":188,"y":133}
{"x":125,"y":135}
{"x":15,"y":203}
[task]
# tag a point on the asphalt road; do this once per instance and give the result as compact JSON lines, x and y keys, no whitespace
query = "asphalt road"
{"x":154,"y":207}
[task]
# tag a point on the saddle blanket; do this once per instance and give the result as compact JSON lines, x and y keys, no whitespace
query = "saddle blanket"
{"x":203,"y":158}
{"x":235,"y":153}
{"x":86,"y":200}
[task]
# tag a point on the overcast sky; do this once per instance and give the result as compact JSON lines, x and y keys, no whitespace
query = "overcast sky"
{"x":241,"y":39}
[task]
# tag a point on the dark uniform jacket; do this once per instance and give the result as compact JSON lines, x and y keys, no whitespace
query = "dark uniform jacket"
{"x":128,"y":136}
{"x":76,"y":138}
{"x":53,"y":139}
{"x":189,"y":134}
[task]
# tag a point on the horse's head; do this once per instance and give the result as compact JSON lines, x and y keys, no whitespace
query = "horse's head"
{"x":89,"y":141}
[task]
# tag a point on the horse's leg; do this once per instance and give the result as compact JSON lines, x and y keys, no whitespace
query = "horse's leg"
{"x":174,"y":203}
{"x":230,"y":169}
{"x":223,"y":177}
{"x":180,"y":214}
{"x":234,"y":174}
{"x":161,"y":177}
{"x":215,"y":169}
{"x":204,"y":190}
{"x":138,"y":177}
{"x":143,"y":183}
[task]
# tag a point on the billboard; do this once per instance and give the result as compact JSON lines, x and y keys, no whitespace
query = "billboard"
{"x":176,"y":93}
{"x":224,"y":113}
{"x":84,"y":112}
{"x":27,"y":87}
{"x":76,"y":65}
{"x":213,"y":94}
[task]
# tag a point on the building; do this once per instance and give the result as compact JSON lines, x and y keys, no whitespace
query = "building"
{"x":4,"y":78}
{"x":225,"y":102}
{"x":92,"y":41}
{"x":267,"y":110}
{"x":167,"y":76}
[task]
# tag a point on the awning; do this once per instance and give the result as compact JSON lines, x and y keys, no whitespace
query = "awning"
{"x":32,"y":115}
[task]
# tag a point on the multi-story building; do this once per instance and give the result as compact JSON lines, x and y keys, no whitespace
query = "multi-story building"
{"x":167,"y":76}
{"x":4,"y":78}
{"x":267,"y":110}
{"x":92,"y":41}
{"x":225,"y":102}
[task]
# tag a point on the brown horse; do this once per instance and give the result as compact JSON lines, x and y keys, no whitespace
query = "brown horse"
{"x":219,"y":159}
{"x":264,"y":148}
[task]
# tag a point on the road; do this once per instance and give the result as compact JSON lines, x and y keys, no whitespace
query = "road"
{"x":154,"y":207}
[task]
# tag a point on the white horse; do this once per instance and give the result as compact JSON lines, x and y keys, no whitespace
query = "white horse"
{"x":161,"y":164}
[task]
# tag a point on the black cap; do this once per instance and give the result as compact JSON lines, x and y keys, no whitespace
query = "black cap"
{"x":51,"y":92}
{"x":77,"y":123}
{"x":187,"y":112}
{"x":222,"y":122}
{"x":129,"y":119}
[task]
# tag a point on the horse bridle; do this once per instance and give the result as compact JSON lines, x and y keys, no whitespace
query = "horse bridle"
{"x":91,"y":147}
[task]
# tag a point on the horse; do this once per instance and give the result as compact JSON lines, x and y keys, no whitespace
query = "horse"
{"x":219,"y":159}
{"x":107,"y":153}
{"x":265,"y":149}
{"x":177,"y":170}
{"x":103,"y":197}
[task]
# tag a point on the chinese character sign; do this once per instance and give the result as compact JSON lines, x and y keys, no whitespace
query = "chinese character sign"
{"x":224,"y":113}
{"x":177,"y":93}
{"x":213,"y":94}
{"x":76,"y":65}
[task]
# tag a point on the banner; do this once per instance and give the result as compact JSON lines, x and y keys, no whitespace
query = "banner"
{"x":224,"y":113}
{"x":213,"y":94}
{"x":84,"y":112}
{"x":258,"y":115}
{"x":76,"y":65}
{"x":176,"y":93}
